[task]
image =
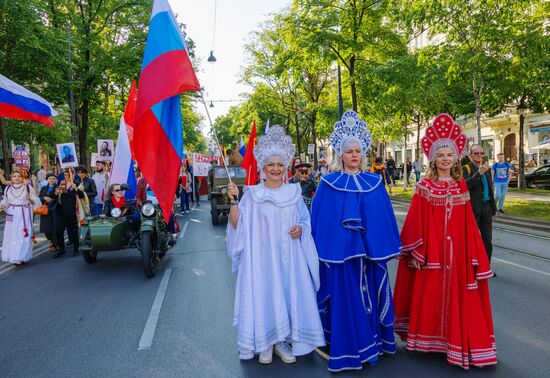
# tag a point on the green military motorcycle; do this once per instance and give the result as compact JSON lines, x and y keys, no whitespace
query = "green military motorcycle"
{"x":150,"y":236}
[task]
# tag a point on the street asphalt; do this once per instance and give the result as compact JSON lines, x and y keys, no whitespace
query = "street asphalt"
{"x":66,"y":318}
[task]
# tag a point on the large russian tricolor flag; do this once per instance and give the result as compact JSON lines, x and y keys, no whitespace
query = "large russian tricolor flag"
{"x":158,"y":134}
{"x":123,"y":166}
{"x":19,"y":103}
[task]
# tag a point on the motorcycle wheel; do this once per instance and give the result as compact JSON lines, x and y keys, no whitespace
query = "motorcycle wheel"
{"x":148,"y":258}
{"x":89,"y":256}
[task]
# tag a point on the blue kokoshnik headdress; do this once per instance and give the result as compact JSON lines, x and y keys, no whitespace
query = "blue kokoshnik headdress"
{"x":350,"y":128}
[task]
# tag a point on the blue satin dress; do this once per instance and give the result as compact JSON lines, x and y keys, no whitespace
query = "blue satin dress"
{"x":355,"y":232}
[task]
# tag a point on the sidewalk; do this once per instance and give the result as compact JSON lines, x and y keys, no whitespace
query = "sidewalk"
{"x":528,"y":196}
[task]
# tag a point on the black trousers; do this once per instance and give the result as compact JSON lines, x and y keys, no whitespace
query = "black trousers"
{"x":485,"y":223}
{"x":69,"y":223}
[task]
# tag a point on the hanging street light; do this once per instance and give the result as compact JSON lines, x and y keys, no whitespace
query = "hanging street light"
{"x":211,"y":104}
{"x":212,"y":58}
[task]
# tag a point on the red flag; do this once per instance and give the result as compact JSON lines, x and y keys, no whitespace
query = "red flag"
{"x":129,"y":116}
{"x":249,"y":161}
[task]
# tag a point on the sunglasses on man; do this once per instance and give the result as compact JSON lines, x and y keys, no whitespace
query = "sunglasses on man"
{"x":303,"y":171}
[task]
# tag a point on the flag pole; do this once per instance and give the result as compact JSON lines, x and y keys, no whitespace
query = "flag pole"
{"x":215,"y":136}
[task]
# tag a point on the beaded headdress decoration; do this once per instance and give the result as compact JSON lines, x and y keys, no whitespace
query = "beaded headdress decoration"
{"x":444,"y":132}
{"x":350,"y":129}
{"x":275,"y":142}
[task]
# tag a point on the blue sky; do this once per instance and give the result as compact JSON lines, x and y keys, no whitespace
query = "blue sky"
{"x":235,"y":19}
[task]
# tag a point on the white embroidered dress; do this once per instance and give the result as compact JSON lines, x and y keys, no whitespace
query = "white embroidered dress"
{"x":18,"y":232}
{"x":277,"y":276}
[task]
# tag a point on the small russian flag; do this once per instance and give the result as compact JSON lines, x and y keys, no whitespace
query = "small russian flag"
{"x":19,"y":103}
{"x":242,"y":150}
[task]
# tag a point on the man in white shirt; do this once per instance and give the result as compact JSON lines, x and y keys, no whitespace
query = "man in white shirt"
{"x":101,"y":178}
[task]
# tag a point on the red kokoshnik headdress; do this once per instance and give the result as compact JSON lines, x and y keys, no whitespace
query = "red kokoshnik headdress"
{"x":444,"y":132}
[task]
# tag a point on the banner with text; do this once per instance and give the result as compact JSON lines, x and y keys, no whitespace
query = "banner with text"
{"x":201,"y":164}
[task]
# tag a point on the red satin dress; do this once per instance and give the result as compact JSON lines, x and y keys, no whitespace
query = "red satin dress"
{"x":445,"y":306}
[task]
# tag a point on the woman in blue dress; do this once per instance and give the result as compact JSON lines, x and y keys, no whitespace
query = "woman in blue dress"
{"x":355,"y":233}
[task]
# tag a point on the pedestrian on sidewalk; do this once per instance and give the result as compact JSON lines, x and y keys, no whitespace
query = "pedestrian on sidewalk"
{"x":478,"y":178}
{"x":65,"y":216}
{"x":392,"y":169}
{"x":379,"y":169}
{"x":355,"y":233}
{"x":269,"y":240}
{"x":441,"y":295}
{"x":47,"y":197}
{"x":417,"y":168}
{"x":501,"y":172}
{"x":18,"y":202}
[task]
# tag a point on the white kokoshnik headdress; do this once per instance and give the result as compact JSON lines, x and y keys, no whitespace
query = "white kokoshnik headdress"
{"x":444,"y":132}
{"x":350,"y":128}
{"x":275,"y":142}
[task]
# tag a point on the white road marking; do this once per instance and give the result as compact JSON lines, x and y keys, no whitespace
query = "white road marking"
{"x":183,"y":229}
{"x":39,"y":251}
{"x":198,"y":272}
{"x":521,"y":266}
{"x":150,"y":327}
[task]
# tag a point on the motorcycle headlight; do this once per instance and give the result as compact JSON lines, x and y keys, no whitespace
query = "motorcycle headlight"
{"x":148,"y":209}
{"x":115,"y":213}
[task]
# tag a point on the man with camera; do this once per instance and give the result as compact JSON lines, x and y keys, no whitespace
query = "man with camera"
{"x":303,"y":176}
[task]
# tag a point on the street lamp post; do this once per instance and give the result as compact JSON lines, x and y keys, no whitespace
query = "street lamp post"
{"x":500,"y":135}
{"x":522,"y":109}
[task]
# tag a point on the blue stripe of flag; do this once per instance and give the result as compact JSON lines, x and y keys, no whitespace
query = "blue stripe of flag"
{"x":162,"y":38}
{"x":25,"y":103}
{"x":168,"y":113}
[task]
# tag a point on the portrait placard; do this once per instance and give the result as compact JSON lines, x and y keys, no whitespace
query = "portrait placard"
{"x":106,"y":149}
{"x":66,"y":153}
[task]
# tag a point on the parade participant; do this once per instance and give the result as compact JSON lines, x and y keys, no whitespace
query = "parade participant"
{"x":185,"y":189}
{"x":303,"y":177}
{"x":18,"y":202}
{"x":47,"y":197}
{"x":100,"y":177}
{"x":65,"y":215}
{"x":270,"y":243}
{"x":441,"y":294}
{"x":379,"y":169}
{"x":141,"y":190}
{"x":292,"y":167}
{"x":478,"y":178}
{"x":115,"y":199}
{"x":356,"y":234}
{"x":501,"y":172}
{"x":88,"y":185}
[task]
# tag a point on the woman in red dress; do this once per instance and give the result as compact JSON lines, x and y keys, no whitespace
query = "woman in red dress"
{"x":441,"y":295}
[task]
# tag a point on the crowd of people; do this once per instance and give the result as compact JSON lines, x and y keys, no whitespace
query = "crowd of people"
{"x":310,"y":279}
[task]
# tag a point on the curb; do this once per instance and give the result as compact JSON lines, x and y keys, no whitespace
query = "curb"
{"x":507,"y":220}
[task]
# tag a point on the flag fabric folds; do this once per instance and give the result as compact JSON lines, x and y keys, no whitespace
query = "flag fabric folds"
{"x":19,"y":103}
{"x":249,"y":161}
{"x":242,"y":150}
{"x":122,"y":170}
{"x":158,"y":136}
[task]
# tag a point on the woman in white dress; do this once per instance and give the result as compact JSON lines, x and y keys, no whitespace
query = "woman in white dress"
{"x":18,"y":202}
{"x":269,"y":240}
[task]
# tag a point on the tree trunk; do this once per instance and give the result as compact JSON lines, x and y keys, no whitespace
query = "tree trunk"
{"x":314,"y":136}
{"x":405,"y":154}
{"x":5,"y":152}
{"x":418,"y":129}
{"x":353,"y":86}
{"x":298,"y":136}
{"x":477,"y":88}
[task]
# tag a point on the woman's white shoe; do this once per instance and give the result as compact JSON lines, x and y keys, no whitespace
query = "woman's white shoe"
{"x":285,"y":353}
{"x":266,"y":356}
